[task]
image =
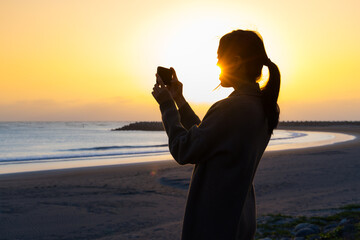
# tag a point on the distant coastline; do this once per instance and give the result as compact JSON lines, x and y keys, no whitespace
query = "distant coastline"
{"x":158,"y":126}
{"x":318,"y":123}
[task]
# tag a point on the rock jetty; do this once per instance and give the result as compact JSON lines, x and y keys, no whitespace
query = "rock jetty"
{"x":142,"y":126}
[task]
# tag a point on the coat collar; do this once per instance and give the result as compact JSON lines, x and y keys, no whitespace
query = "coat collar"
{"x":247,"y":89}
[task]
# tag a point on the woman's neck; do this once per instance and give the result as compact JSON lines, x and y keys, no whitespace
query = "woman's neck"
{"x":245,"y":83}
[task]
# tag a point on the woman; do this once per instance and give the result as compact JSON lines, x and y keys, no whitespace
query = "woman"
{"x":227,"y":145}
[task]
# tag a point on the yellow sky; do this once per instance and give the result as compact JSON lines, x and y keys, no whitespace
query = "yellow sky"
{"x":95,"y":60}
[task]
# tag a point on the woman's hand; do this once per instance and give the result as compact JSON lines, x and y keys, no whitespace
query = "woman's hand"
{"x":176,"y":87}
{"x":160,"y":92}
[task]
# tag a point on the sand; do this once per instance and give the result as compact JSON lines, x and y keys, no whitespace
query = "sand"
{"x":147,"y":200}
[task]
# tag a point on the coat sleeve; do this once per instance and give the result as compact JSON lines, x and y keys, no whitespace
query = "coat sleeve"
{"x":188,"y":117}
{"x":193,"y":145}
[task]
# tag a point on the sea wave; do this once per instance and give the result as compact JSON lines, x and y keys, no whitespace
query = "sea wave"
{"x":292,"y":135}
{"x":104,"y":148}
{"x":85,"y":156}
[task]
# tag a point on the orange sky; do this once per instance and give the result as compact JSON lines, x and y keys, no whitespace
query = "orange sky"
{"x":95,"y":60}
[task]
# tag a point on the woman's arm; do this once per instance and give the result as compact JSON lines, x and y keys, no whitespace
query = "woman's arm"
{"x":188,"y":117}
{"x":195,"y":144}
{"x":199,"y":142}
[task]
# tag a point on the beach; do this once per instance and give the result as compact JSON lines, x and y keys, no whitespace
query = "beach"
{"x":147,"y":200}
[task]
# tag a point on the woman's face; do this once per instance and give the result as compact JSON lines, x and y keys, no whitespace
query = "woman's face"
{"x":229,"y":66}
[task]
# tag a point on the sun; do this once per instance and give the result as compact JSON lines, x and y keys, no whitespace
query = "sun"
{"x":192,"y":51}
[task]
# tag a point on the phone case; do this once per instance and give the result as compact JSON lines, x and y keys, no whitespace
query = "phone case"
{"x":165,"y":74}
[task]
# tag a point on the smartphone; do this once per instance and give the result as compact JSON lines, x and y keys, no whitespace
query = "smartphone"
{"x":165,"y":74}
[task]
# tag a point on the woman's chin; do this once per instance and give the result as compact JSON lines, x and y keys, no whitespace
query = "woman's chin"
{"x":225,"y":84}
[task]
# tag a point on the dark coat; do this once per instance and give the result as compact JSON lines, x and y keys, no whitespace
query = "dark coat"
{"x":226,"y":148}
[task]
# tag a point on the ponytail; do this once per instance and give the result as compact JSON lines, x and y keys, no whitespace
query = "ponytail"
{"x":270,"y":95}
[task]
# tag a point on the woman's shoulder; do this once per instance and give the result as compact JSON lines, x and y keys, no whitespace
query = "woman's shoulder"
{"x":236,"y":114}
{"x":238,"y":102}
{"x":236,"y":108}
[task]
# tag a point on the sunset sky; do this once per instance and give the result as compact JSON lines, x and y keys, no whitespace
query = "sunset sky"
{"x":96,"y":60}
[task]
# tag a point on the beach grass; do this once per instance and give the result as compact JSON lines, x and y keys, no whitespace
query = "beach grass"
{"x":346,"y":219}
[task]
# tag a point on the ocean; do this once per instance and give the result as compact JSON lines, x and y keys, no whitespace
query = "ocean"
{"x":33,"y":146}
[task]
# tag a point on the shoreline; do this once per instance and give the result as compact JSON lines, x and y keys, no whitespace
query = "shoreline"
{"x":112,"y":161}
{"x":170,"y":162}
{"x":147,"y":200}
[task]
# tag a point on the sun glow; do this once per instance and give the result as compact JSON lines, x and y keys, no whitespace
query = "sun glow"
{"x":193,"y":54}
{"x":66,"y":60}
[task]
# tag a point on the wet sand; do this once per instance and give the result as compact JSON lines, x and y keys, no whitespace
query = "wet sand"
{"x":147,"y":200}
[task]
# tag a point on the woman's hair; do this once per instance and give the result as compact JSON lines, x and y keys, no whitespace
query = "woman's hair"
{"x":250,"y":47}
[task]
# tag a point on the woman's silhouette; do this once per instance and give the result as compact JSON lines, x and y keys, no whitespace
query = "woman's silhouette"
{"x":227,"y":145}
